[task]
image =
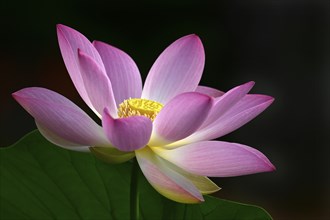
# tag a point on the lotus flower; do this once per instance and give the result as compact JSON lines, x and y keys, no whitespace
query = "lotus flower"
{"x":167,"y":125}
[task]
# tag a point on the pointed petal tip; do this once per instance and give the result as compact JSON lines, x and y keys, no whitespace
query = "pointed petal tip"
{"x":263,"y":99}
{"x":268,"y":167}
{"x":269,"y":100}
{"x":271,"y":167}
{"x":192,"y":39}
{"x":193,"y":35}
{"x":18,"y":95}
{"x":196,"y":38}
{"x":250,"y":83}
{"x":15,"y":94}
{"x":27,"y":93}
{"x":60,"y":28}
{"x":200,"y":200}
{"x":265,"y":164}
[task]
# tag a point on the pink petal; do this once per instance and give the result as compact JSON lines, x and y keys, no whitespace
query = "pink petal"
{"x":228,"y":100}
{"x":244,"y":111}
{"x":122,"y":72}
{"x":209,"y":91}
{"x":69,"y":41}
{"x":249,"y":101}
{"x":97,"y":84}
{"x":218,"y":159}
{"x":178,"y":69}
{"x":127,"y":134}
{"x":55,"y":139}
{"x":181,"y":117}
{"x":60,"y":120}
{"x":165,"y":180}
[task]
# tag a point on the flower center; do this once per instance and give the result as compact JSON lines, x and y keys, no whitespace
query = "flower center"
{"x":135,"y":107}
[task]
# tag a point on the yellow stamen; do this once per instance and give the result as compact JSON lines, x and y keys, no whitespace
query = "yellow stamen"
{"x":136,"y":107}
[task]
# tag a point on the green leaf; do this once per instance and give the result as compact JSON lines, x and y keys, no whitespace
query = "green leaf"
{"x":42,"y":181}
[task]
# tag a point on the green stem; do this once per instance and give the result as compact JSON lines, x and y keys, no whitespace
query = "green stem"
{"x":134,"y":194}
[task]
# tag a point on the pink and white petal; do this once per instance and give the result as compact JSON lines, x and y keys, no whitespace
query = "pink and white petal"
{"x":181,"y":117}
{"x":226,"y":101}
{"x":97,"y":85}
{"x":122,"y":71}
{"x":166,"y":181}
{"x":244,"y":111}
{"x":55,"y":139}
{"x":178,"y":69}
{"x":60,"y":120}
{"x":249,"y":101}
{"x":237,"y":116}
{"x":127,"y":134}
{"x":69,"y":41}
{"x":202,"y":183}
{"x":218,"y":159}
{"x":209,"y":91}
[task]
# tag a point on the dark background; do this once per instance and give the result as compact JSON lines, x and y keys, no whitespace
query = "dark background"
{"x":281,"y":45}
